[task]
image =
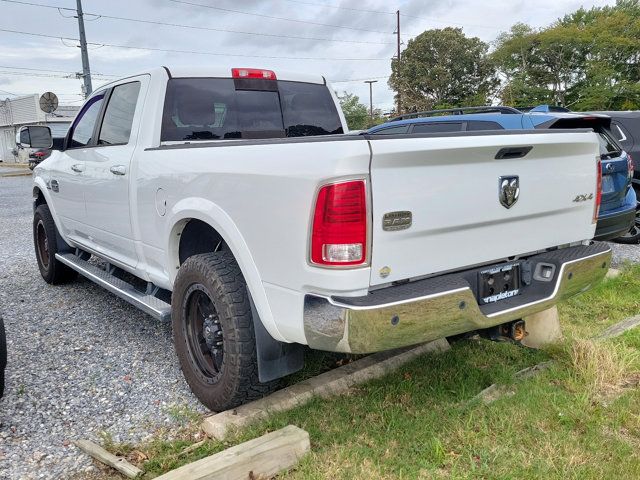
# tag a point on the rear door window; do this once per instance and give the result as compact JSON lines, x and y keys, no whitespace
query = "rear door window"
{"x":442,"y":127}
{"x":212,"y":109}
{"x":118,"y":117}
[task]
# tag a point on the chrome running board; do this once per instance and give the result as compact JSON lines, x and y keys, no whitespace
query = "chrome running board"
{"x":145,"y":302}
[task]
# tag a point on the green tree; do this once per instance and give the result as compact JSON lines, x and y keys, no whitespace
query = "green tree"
{"x":443,"y":68}
{"x":588,"y":60}
{"x":538,"y":66}
{"x":357,"y":114}
{"x":611,"y":59}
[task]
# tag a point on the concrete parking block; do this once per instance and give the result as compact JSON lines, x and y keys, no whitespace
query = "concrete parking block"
{"x":619,"y":328}
{"x":333,"y":382}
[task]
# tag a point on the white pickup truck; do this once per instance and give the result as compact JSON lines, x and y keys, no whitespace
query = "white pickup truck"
{"x":234,"y":203}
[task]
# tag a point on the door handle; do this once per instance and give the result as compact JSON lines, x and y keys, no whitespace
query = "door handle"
{"x":77,"y":167}
{"x":118,"y":169}
{"x":512,"y":152}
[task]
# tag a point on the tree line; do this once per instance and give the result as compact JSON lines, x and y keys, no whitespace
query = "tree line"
{"x":586,"y":60}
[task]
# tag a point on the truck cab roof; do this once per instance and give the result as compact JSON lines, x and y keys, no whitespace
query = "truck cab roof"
{"x":217,"y":71}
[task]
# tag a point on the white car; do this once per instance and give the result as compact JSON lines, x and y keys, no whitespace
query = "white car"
{"x":232,"y":202}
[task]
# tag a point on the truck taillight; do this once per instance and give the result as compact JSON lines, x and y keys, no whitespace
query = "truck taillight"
{"x":596,"y":205}
{"x":339,"y":232}
{"x":253,"y":73}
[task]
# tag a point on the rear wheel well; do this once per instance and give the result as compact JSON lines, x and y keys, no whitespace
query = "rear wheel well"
{"x":198,"y":237}
{"x":38,"y":198}
{"x":275,"y":359}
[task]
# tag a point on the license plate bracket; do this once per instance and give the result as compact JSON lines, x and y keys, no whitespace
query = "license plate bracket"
{"x":498,"y":283}
{"x":608,"y":184}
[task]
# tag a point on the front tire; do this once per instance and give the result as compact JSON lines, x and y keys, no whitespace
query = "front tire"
{"x":45,"y":240}
{"x":213,"y":332}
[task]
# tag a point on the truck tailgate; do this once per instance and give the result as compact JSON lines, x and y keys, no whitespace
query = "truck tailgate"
{"x":451,"y":187}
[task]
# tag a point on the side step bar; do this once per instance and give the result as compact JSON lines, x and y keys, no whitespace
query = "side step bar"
{"x":147,"y":303}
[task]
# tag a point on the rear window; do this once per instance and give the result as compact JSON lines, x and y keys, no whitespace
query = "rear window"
{"x":608,"y":146}
{"x":212,"y":109}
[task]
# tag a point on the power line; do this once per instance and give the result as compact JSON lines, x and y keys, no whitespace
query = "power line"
{"x":358,"y":79}
{"x":36,"y":75}
{"x":19,"y":2}
{"x":383,"y":12}
{"x":273,"y":17}
{"x":448,"y":22}
{"x":193,"y":52}
{"x":326,"y":5}
{"x":196,"y":27}
{"x":54,"y":71}
{"x":9,"y":93}
{"x":261,"y":34}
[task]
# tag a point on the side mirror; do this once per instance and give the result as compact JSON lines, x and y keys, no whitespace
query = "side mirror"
{"x":34,"y":136}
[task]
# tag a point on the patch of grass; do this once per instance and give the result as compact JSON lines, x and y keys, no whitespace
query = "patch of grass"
{"x":611,"y":301}
{"x":578,"y":419}
{"x":601,"y":368}
{"x":183,"y":414}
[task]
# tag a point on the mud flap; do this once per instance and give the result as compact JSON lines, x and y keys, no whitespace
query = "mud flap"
{"x":275,"y":359}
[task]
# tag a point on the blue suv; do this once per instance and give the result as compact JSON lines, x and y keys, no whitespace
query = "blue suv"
{"x":618,"y":207}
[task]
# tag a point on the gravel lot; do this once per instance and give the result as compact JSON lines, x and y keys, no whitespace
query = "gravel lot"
{"x":81,"y":361}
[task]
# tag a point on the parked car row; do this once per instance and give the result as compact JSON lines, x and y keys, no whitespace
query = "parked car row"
{"x":618,"y":218}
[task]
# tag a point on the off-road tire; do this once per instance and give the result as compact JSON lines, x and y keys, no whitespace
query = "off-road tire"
{"x":218,"y":276}
{"x":52,"y":270}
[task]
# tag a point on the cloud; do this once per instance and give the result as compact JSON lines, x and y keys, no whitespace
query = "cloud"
{"x":482,"y":19}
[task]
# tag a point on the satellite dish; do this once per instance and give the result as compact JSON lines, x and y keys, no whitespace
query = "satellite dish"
{"x":48,"y":102}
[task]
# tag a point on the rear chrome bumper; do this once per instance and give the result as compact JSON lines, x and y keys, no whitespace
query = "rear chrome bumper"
{"x":446,"y":305}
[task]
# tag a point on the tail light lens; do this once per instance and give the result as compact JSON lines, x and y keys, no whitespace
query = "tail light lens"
{"x":596,"y":205}
{"x":339,"y":232}
{"x":630,"y":167}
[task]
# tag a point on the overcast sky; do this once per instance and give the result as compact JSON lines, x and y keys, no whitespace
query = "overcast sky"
{"x":361,"y":50}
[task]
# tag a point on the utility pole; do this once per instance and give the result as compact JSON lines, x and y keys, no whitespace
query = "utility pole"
{"x":370,"y":82}
{"x":86,"y":72}
{"x":397,"y":64}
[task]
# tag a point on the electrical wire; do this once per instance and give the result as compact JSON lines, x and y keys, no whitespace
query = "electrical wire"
{"x":193,"y":52}
{"x":54,"y":71}
{"x":338,"y":7}
{"x":358,"y":79}
{"x":241,"y":32}
{"x":196,"y":27}
{"x":273,"y":17}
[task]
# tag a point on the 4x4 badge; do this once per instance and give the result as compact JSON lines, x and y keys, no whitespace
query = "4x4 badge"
{"x":508,"y":190}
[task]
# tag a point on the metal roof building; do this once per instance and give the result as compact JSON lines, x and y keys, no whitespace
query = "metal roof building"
{"x":25,"y":110}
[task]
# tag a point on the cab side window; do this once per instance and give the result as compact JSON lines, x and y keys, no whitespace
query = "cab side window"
{"x":118,"y":117}
{"x":84,"y":125}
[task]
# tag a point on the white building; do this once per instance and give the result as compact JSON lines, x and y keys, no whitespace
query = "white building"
{"x":19,"y":111}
